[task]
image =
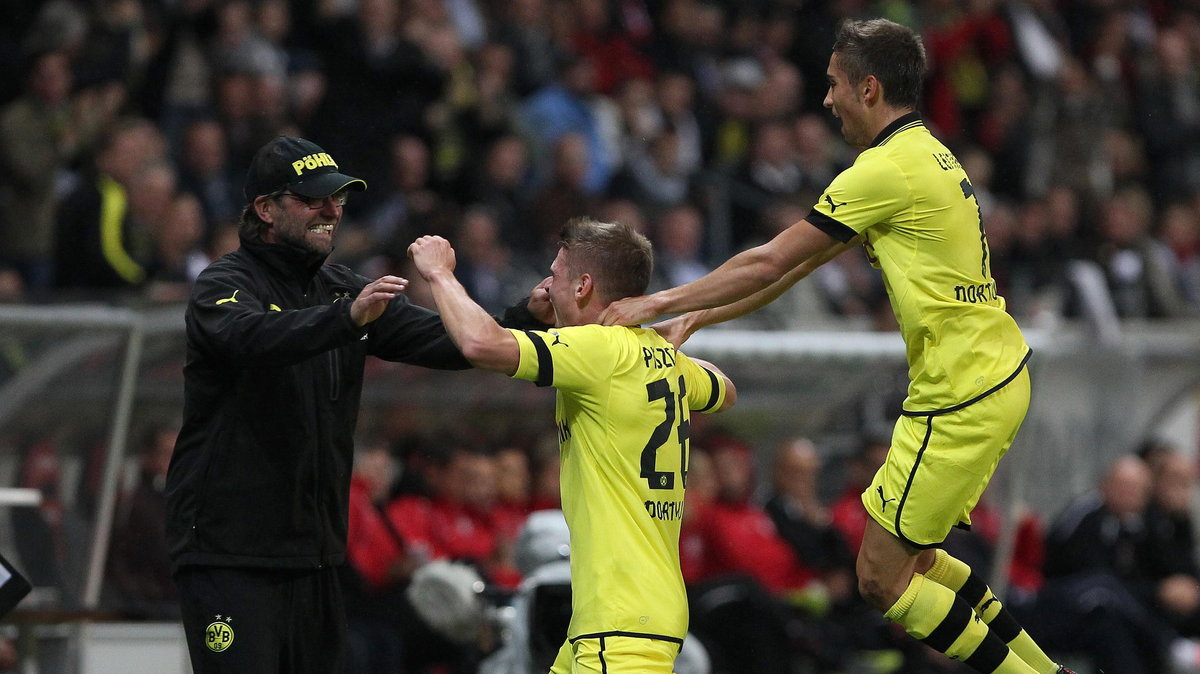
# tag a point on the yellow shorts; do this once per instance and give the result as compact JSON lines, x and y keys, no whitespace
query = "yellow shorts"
{"x":940,"y":463}
{"x":617,"y":653}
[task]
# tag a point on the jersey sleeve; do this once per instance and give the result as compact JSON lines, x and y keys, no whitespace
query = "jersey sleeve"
{"x":705,"y":390}
{"x":869,"y":192}
{"x":568,"y":358}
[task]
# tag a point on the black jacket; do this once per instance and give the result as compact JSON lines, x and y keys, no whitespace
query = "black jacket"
{"x":261,"y":471}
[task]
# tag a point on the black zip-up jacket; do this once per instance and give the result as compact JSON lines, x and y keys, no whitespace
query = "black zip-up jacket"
{"x":261,"y":471}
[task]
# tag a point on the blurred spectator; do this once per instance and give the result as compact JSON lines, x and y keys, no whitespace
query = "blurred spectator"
{"x":736,"y":97}
{"x":545,"y":465}
{"x":819,"y":154}
{"x":405,"y":205}
{"x":12,"y":286}
{"x":565,"y":196}
{"x":768,"y":174}
{"x":563,"y":109}
{"x":486,"y":267}
{"x":139,"y":568}
{"x":1085,"y":115}
{"x":1034,"y":267}
{"x":781,"y":91}
{"x":740,"y":535}
{"x":653,"y":176}
{"x":379,"y":566}
{"x":41,"y":530}
{"x":1006,"y":129}
{"x":378,"y":80}
{"x":204,"y":171}
{"x":41,"y":134}
{"x":239,"y":46}
{"x":179,"y":254}
{"x":802,"y":519}
{"x":608,"y":34}
{"x":458,"y":521}
{"x":100,"y":246}
{"x":514,"y":490}
{"x":740,"y":623}
{"x":493,"y":112}
{"x":679,"y":247}
{"x":744,"y":553}
{"x":624,"y":211}
{"x":965,"y":44}
{"x":445,"y":114}
{"x":497,"y":183}
{"x":1099,"y":577}
{"x":701,"y":491}
{"x":8,"y":655}
{"x":675,"y":93}
{"x":1173,"y":538}
{"x":1167,"y":96}
{"x":523,"y":25}
{"x":1141,"y":277}
{"x":1179,"y":230}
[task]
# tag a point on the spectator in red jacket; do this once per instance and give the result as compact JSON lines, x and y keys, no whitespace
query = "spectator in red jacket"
{"x":459,"y":522}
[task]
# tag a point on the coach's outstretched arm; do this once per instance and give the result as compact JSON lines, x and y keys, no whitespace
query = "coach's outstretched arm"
{"x":480,"y":338}
{"x":743,"y":275}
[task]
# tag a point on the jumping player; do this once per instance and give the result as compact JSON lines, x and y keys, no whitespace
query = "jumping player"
{"x":909,"y":203}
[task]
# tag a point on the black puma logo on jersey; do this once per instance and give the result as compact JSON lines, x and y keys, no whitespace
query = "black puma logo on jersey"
{"x":833,"y":206}
{"x":558,"y":340}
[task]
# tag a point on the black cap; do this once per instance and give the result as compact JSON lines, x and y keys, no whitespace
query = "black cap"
{"x":299,"y":165}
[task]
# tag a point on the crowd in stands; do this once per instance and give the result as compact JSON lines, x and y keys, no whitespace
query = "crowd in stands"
{"x":126,"y":127}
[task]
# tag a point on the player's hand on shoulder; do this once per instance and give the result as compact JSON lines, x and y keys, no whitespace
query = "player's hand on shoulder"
{"x":675,"y":330}
{"x":629,"y":311}
{"x":431,"y":254}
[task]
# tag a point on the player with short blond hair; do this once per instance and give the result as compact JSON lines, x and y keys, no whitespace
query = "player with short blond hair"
{"x":624,"y":401}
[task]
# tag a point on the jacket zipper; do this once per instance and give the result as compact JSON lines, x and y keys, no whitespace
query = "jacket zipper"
{"x":335,"y":372}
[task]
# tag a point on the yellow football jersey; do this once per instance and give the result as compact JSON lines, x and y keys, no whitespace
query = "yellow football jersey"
{"x":916,"y":209}
{"x":623,"y":403}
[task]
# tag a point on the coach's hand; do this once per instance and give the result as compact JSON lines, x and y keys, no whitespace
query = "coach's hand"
{"x":539,"y":302}
{"x":374,"y":298}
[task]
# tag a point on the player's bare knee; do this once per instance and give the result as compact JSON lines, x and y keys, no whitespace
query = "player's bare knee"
{"x":873,"y":593}
{"x":877,"y":592}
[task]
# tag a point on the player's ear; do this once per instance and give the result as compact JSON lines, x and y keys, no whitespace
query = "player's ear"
{"x":584,"y":287}
{"x":872,"y":89}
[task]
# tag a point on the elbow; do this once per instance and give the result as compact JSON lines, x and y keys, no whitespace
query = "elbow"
{"x":767,"y":266}
{"x":476,"y":351}
{"x":496,"y":355}
{"x":730,"y":396}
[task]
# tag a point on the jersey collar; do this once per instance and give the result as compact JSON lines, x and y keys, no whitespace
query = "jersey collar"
{"x":901,"y":123}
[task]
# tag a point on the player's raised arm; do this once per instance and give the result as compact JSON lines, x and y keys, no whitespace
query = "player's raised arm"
{"x":487,"y":345}
{"x":741,"y":276}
